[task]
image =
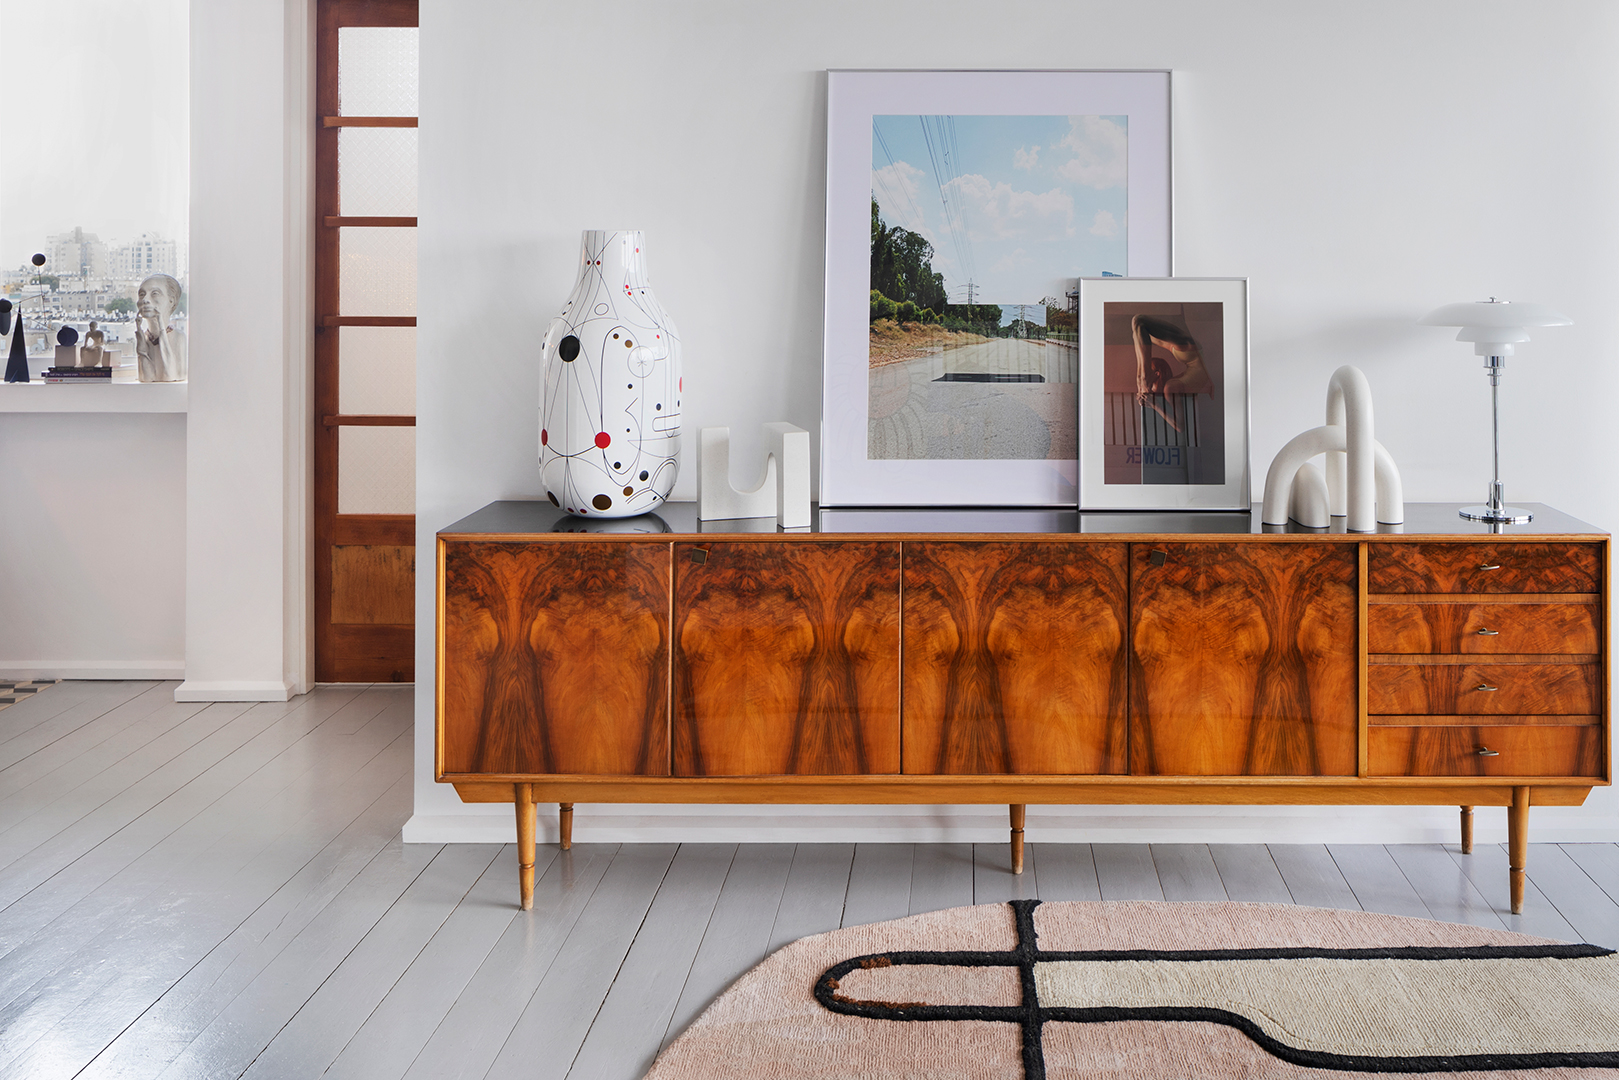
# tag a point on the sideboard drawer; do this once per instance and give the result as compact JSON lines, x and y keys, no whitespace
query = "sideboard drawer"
{"x":1482,"y":689}
{"x":1485,"y":751}
{"x":1482,"y":628}
{"x":1483,"y":568}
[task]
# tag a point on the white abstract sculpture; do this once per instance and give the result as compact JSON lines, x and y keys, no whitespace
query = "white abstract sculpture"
{"x":784,"y":491}
{"x":1361,"y":482}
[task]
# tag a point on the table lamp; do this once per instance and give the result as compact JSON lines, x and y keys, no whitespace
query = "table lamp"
{"x":1494,"y":327}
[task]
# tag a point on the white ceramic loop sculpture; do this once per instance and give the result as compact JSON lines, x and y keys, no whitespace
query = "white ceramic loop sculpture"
{"x":1361,"y":484}
{"x":610,"y":410}
{"x":784,"y":491}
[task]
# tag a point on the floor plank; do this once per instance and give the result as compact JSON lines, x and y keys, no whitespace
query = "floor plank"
{"x":1248,"y":873}
{"x":92,"y":747}
{"x":1067,"y":872}
{"x":738,"y":934}
{"x":1126,"y":872}
{"x":1579,"y":899}
{"x":879,"y":883}
{"x":993,"y":880}
{"x":1377,"y":881}
{"x":816,"y":887}
{"x":1486,"y":868}
{"x":1600,"y":862}
{"x":557,"y":1019}
{"x":629,"y":1029}
{"x":467,"y":1039}
{"x":1187,"y":872}
{"x":941,"y":877}
{"x":1444,"y":888}
{"x":1312,"y":877}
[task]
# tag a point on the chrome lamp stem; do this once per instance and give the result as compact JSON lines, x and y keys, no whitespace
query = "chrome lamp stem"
{"x":1495,"y":509}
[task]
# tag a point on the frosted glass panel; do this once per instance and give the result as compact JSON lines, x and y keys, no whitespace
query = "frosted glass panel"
{"x":376,"y":470}
{"x":376,"y":172}
{"x":376,"y":370}
{"x":376,"y":70}
{"x":378,"y":271}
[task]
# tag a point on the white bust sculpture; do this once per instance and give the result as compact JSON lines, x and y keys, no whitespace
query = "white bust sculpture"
{"x":159,"y":347}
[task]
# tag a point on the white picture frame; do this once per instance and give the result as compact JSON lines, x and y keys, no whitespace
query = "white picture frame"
{"x":1133,"y":449}
{"x":855,"y":469}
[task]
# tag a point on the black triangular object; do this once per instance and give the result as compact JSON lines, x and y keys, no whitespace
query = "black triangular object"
{"x":17,"y":362}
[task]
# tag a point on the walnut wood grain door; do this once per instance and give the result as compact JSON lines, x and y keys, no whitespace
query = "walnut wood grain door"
{"x":556,"y":658}
{"x":1243,"y":659}
{"x":1015,"y":657}
{"x":786,"y":658}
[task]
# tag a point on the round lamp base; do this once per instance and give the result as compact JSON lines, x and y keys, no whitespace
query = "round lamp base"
{"x":1499,"y":515}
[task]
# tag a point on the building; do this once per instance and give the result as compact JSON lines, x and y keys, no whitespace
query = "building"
{"x":144,"y":256}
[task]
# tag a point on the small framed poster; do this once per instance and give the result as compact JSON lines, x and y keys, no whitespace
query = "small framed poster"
{"x":961,"y":208}
{"x":1163,"y":394}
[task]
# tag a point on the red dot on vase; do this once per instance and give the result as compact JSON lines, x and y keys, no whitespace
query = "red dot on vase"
{"x":603,"y":440}
{"x":545,"y":437}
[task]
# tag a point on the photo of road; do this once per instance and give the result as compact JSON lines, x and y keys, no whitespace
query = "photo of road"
{"x":997,"y":398}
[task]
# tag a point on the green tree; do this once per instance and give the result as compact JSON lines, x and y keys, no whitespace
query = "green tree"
{"x":881,"y":306}
{"x":902,"y":264}
{"x":121,"y":306}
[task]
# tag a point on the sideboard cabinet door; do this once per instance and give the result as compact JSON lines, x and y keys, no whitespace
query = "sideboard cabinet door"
{"x":1015,"y":657}
{"x":556,"y":658}
{"x":1243,"y":659}
{"x":786,"y":658}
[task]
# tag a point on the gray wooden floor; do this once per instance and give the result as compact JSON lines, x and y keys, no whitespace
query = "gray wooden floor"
{"x":220,"y":890}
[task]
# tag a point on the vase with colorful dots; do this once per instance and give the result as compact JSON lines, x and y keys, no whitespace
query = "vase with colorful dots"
{"x":610,"y":399}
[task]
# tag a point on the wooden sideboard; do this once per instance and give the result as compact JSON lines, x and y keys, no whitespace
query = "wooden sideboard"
{"x":1021,"y":657}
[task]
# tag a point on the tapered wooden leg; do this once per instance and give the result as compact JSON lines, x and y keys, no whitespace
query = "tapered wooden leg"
{"x":1017,"y":837}
{"x":525,"y":844}
{"x":565,"y":824}
{"x":1467,"y":830}
{"x":1518,"y":844}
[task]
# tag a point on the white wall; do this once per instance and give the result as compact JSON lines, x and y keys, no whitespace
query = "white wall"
{"x":1361,"y":163}
{"x":92,"y":545}
{"x":250,"y":331}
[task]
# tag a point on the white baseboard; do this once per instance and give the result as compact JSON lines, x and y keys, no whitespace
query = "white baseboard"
{"x":21,"y":670}
{"x":495,"y":823}
{"x":195,"y":690}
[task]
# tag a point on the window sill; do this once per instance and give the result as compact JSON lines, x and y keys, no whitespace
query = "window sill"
{"x":40,"y":397}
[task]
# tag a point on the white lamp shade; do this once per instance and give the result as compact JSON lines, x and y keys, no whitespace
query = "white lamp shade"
{"x":1495,"y":326}
{"x":1496,"y":313}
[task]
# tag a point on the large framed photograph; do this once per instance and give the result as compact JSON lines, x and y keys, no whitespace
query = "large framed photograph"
{"x":1163,"y":394}
{"x":962,"y":208}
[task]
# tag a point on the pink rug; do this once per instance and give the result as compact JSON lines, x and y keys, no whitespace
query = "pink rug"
{"x":1153,"y":991}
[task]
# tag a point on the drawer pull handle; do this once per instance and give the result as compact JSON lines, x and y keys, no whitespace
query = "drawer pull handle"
{"x":1489,"y":566}
{"x":1158,"y":558}
{"x":699,"y":556}
{"x":1486,"y":686}
{"x":1485,"y":751}
{"x":1485,"y":631}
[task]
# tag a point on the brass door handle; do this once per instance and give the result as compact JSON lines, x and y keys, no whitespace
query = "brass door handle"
{"x":1485,"y":631}
{"x":1485,"y":751}
{"x":1489,"y":566}
{"x":1486,"y":686}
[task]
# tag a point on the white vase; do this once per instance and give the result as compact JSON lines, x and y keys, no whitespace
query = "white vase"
{"x":610,"y":401}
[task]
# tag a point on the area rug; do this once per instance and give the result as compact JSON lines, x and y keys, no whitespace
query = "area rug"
{"x":13,"y":692}
{"x":1153,"y":991}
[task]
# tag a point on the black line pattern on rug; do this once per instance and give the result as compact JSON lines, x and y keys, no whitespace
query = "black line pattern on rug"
{"x":1032,"y":1017}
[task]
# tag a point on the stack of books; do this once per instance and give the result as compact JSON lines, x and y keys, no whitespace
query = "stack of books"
{"x":87,"y":375}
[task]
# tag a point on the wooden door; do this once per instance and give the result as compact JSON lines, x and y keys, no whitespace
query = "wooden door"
{"x":1243,"y":659}
{"x":786,"y":658}
{"x":556,"y":658}
{"x":1015,"y":658}
{"x":365,"y":341}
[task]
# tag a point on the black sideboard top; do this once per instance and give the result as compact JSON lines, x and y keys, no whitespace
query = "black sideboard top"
{"x":525,"y":517}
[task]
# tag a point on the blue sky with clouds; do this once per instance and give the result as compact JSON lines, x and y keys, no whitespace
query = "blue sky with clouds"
{"x":1021,"y":204}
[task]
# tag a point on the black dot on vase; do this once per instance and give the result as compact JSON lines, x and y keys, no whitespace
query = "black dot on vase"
{"x":660,"y":406}
{"x":627,"y":386}
{"x":568,"y":349}
{"x":38,"y":259}
{"x":643,"y":474}
{"x":617,"y":465}
{"x":602,"y":502}
{"x":552,"y":496}
{"x":615,"y":337}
